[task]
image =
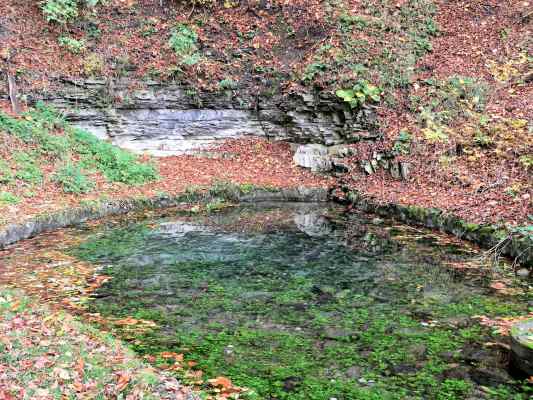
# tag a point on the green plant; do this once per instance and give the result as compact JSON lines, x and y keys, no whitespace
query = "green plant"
{"x":6,"y":175}
{"x":446,"y":161}
{"x":215,"y":205}
{"x":73,"y":180}
{"x":227,"y":83}
{"x":36,"y":128}
{"x":116,"y":164}
{"x":149,"y":27}
{"x":513,"y":190}
{"x":460,"y":92}
{"x":526,"y":161}
{"x":360,"y":94}
{"x":225,"y":190}
{"x":60,"y":11}
{"x":454,"y":389}
{"x":183,"y":40}
{"x":93,"y":64}
{"x":348,"y":21}
{"x":402,"y":145}
{"x":312,"y":70}
{"x":8,"y":198}
{"x":40,"y":127}
{"x":27,"y":168}
{"x":435,"y":133}
{"x":72,"y":45}
{"x":482,"y":140}
{"x":93,"y":32}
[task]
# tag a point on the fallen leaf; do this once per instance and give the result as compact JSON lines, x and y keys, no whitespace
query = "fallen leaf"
{"x":123,"y":380}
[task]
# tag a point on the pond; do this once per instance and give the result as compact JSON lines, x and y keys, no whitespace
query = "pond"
{"x":300,"y":301}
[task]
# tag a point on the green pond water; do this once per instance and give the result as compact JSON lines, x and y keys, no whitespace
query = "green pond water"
{"x":304,"y":302}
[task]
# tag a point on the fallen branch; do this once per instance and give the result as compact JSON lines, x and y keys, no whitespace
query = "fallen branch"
{"x":495,"y":251}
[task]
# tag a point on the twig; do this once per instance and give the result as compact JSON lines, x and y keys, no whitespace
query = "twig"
{"x":192,"y":11}
{"x":515,"y":261}
{"x":495,"y":251}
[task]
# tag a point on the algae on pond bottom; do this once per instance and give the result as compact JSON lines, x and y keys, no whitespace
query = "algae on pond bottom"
{"x":303,"y":303}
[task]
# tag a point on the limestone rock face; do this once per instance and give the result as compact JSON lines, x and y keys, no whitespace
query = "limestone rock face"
{"x":165,"y":118}
{"x":313,"y":156}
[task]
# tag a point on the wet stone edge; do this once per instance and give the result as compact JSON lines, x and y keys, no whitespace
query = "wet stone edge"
{"x":517,"y":246}
{"x":48,"y":222}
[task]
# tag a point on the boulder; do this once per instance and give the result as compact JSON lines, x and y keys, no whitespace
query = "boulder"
{"x":522,"y":346}
{"x":340,"y":151}
{"x":404,"y":170}
{"x":313,"y":156}
{"x":367,"y":167}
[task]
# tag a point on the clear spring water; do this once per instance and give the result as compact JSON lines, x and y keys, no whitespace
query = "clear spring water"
{"x":304,"y":302}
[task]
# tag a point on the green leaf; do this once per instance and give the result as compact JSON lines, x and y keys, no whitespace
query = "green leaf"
{"x":345,"y":94}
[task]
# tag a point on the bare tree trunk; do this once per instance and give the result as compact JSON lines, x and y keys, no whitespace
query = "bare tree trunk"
{"x":13,"y":93}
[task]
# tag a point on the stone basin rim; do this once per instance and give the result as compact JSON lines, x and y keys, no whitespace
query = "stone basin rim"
{"x":486,"y":236}
{"x":39,"y":224}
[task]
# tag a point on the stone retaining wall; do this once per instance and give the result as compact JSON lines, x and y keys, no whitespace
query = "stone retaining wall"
{"x":44,"y":223}
{"x":518,"y":247}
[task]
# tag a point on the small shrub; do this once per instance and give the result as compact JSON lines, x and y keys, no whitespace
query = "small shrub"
{"x":435,"y":134}
{"x":465,"y":89}
{"x":482,"y":140}
{"x":513,"y":190}
{"x":116,"y":164}
{"x":8,"y":198}
{"x":194,"y":193}
{"x":93,"y":65}
{"x":313,"y":70}
{"x":27,"y":168}
{"x":216,"y":205}
{"x":207,"y":3}
{"x":246,"y":187}
{"x":402,"y":145}
{"x":73,"y":180}
{"x":92,"y":32}
{"x":526,"y":161}
{"x":361,"y":93}
{"x":72,"y":45}
{"x":224,"y":191}
{"x":149,"y":27}
{"x":60,"y":11}
{"x":183,"y":40}
{"x":226,"y":84}
{"x":422,"y":46}
{"x":348,"y":21}
{"x":6,"y":175}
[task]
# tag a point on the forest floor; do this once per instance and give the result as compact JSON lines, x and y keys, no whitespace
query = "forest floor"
{"x":47,"y":354}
